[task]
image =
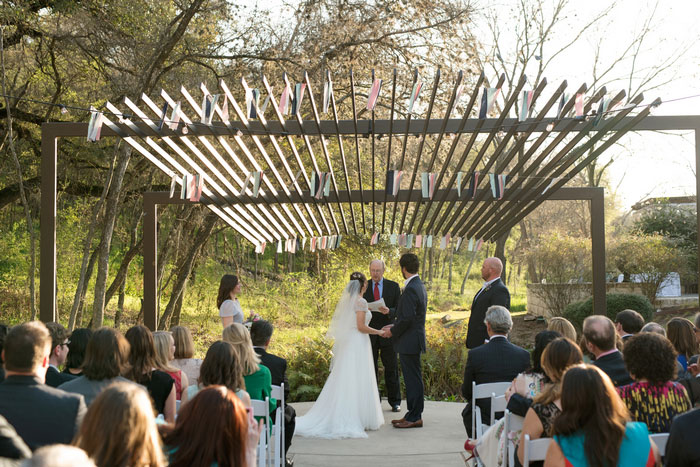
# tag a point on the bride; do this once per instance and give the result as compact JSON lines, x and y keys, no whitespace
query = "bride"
{"x":349,"y":401}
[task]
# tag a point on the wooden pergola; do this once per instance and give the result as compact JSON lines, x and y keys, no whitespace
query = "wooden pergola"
{"x":540,"y":153}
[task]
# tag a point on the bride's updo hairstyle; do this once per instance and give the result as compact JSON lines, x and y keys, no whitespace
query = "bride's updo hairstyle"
{"x":359,"y":277}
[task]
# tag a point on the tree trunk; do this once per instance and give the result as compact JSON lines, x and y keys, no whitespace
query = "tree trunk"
{"x":120,"y":304}
{"x":500,"y":253}
{"x":83,"y":290}
{"x":449,"y":277}
{"x":120,"y":278}
{"x":531,"y":266}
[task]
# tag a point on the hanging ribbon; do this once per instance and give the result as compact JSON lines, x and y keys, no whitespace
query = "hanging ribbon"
{"x":525,"y":105}
{"x":562,"y":102}
{"x":458,"y":243}
{"x":320,"y":184}
{"x":429,"y":242}
{"x":414,"y":95}
{"x":175,"y":117}
{"x":393,"y":181}
{"x":298,"y":96}
{"x":374,"y":94}
{"x":257,"y":178}
{"x":162,"y":116}
{"x":402,"y":240}
{"x":284,"y":100}
{"x":324,"y":242}
{"x":393,"y":239}
{"x":337,"y":241}
{"x":208,"y":104}
{"x":498,"y":185}
{"x":460,"y":175}
{"x":473,"y":184}
{"x":279,"y":246}
{"x":478,"y":244}
{"x":327,"y":91}
{"x":253,"y":103}
{"x":374,"y":239}
{"x":224,"y":114}
{"x":419,"y":241}
{"x":173,"y":182}
{"x":578,"y":105}
{"x":458,"y":94}
{"x":428,"y":184}
{"x":602,"y":108}
{"x":198,"y":184}
{"x":409,"y":241}
{"x":95,"y":125}
{"x":488,"y":98}
{"x":312,"y":244}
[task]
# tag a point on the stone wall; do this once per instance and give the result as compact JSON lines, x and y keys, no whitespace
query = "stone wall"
{"x":537,"y":307}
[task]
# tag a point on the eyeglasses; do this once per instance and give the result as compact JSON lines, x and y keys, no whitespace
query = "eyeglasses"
{"x":67,"y":343}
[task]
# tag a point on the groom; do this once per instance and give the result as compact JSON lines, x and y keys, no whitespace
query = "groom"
{"x":408,"y":332}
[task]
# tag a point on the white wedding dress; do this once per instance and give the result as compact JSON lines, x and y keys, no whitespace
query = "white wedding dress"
{"x":349,"y":401}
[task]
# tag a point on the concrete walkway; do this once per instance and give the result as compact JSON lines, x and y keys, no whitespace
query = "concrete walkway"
{"x":439,"y":443}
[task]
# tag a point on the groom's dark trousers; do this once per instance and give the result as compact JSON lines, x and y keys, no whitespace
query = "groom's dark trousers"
{"x":409,"y":342}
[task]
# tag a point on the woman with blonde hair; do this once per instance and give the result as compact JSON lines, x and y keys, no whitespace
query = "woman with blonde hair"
{"x":184,"y":353}
{"x":165,"y":352}
{"x":557,"y":357}
{"x":258,"y":381}
{"x":119,"y":429}
{"x":563,"y":326}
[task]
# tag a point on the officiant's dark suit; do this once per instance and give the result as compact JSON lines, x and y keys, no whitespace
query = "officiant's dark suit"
{"x":408,"y":335}
{"x":495,"y":293}
{"x":390,"y":292}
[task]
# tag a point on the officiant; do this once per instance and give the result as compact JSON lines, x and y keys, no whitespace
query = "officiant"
{"x":383,"y":289}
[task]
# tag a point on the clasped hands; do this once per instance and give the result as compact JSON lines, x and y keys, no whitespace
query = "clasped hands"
{"x":386,"y":331}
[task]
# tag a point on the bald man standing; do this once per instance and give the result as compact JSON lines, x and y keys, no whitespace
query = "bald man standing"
{"x":379,"y":287}
{"x":493,"y":292}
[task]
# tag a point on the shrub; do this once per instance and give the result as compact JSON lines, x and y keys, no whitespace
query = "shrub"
{"x":616,"y":302}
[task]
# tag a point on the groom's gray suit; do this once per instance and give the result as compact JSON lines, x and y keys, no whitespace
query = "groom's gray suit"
{"x":408,"y":335}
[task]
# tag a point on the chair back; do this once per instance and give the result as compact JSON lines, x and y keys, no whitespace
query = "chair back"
{"x":262,"y":409}
{"x":482,"y":391}
{"x":498,"y":404}
{"x":535,"y":449}
{"x":512,"y":423}
{"x":278,"y":428}
{"x":660,"y":439}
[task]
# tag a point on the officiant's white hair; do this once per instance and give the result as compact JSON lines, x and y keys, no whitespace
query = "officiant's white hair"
{"x":380,"y":261}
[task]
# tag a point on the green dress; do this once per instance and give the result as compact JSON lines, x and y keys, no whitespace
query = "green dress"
{"x":259,"y":386}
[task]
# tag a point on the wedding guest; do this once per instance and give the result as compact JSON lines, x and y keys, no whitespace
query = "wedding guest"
{"x":681,"y":333}
{"x":3,"y":332}
{"x":40,"y":414}
{"x":258,"y":381}
{"x":59,"y":353}
{"x":683,"y":446}
{"x":230,"y":309}
{"x":261,"y":335}
{"x":11,"y":444}
{"x":653,"y":398}
{"x":563,"y":326}
{"x":221,"y":367}
{"x":106,"y":360}
{"x":493,"y":292}
{"x":628,"y":323}
{"x":600,"y":335}
{"x":184,"y":353}
{"x":696,"y":327}
{"x":143,"y":370}
{"x":594,"y":427}
{"x":120,"y":429}
{"x":558,"y":356}
{"x":165,"y":352}
{"x":496,"y":361}
{"x":213,"y":429}
{"x":59,"y":455}
{"x":654,"y":327}
{"x":79,"y":339}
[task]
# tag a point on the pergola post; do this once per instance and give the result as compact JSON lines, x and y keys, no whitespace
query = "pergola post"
{"x":697,"y":193}
{"x":150,"y":262}
{"x":598,"y":250}
{"x":47,"y":265}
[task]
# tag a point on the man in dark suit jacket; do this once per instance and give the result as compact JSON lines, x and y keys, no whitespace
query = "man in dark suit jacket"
{"x":496,"y":361}
{"x":59,"y":353}
{"x":260,"y":334}
{"x":493,"y":292}
{"x":628,"y":323}
{"x":408,"y":331}
{"x":683,"y":446}
{"x":379,"y":287}
{"x":40,"y":414}
{"x":599,"y":333}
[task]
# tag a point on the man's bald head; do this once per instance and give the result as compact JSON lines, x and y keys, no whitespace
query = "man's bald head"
{"x":599,"y":330}
{"x":491,"y":269}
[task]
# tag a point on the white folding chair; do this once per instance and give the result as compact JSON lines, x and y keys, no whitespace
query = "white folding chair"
{"x":262,"y":409}
{"x":660,"y":439}
{"x":483,"y":391}
{"x":512,"y":423}
{"x":535,"y":450}
{"x":278,"y":427}
{"x":498,"y":404}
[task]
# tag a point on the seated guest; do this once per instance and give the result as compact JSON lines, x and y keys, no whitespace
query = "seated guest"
{"x":258,"y":380}
{"x":40,"y":414}
{"x":59,"y":352}
{"x":184,"y":353}
{"x":59,"y":455}
{"x":681,"y":333}
{"x":599,"y":332}
{"x":558,"y":356}
{"x":696,"y":322}
{"x":142,"y":359}
{"x":563,"y":326}
{"x":213,"y":429}
{"x":654,"y":327}
{"x":496,"y":361}
{"x":3,"y":333}
{"x":594,"y":428}
{"x":260,"y":335}
{"x":106,"y":360}
{"x":653,"y":398}
{"x":165,"y":353}
{"x":221,"y":367}
{"x":11,"y":445}
{"x":683,"y":445}
{"x":79,"y":339}
{"x":628,"y":323}
{"x":120,"y":429}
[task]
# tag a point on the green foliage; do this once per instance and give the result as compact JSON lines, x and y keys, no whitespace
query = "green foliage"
{"x":650,"y":257}
{"x":577,"y":312}
{"x":443,"y":362}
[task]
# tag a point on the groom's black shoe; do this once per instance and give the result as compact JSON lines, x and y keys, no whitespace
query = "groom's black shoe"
{"x":407,"y":424}
{"x":396,"y":408}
